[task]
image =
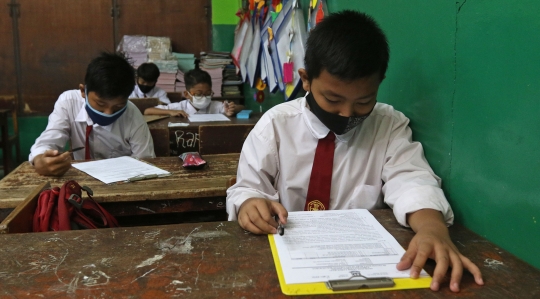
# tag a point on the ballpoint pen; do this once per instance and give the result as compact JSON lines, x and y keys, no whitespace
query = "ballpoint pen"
{"x":76,"y":149}
{"x":281,"y":227}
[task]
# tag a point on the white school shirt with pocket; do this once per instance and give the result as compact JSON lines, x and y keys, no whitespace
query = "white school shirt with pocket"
{"x":127,"y":136}
{"x":375,"y":163}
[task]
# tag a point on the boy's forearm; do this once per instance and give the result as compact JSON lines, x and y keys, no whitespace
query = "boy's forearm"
{"x":155,"y":111}
{"x":427,"y":219}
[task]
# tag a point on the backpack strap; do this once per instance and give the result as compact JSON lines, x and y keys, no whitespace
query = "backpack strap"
{"x":45,"y":208}
{"x":68,"y":189}
{"x":89,"y":214}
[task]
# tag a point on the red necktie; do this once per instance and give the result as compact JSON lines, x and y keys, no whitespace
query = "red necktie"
{"x":320,"y":183}
{"x":87,"y":144}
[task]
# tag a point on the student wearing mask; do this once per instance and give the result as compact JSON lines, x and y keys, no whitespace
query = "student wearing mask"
{"x":199,"y":99}
{"x":337,"y":148}
{"x":147,"y":76}
{"x":96,"y":116}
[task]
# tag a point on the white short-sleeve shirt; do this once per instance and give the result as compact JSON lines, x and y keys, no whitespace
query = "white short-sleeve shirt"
{"x":375,"y":163}
{"x":127,"y":136}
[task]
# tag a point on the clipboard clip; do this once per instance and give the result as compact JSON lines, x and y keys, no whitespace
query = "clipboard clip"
{"x":364,"y":283}
{"x":142,"y":177}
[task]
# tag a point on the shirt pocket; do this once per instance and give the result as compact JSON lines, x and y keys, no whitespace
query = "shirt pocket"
{"x":366,"y":197}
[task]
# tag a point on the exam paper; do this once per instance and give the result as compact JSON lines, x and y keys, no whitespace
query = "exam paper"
{"x":327,"y":245}
{"x":208,"y":117}
{"x":119,"y":169}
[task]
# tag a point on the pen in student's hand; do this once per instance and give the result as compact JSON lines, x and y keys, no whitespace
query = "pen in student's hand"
{"x":281,"y":227}
{"x":76,"y":149}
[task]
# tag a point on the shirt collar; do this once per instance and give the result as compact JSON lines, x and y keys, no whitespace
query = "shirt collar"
{"x":83,"y":116}
{"x":316,"y":127}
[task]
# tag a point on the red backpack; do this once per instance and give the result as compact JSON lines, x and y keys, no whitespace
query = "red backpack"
{"x":64,"y":209}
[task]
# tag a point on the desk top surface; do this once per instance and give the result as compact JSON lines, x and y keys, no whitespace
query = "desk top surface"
{"x":207,"y":182}
{"x":164,"y":123}
{"x":210,"y":260}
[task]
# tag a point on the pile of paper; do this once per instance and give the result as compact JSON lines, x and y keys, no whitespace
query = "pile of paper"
{"x":134,"y":47}
{"x":211,"y":60}
{"x":180,"y":85}
{"x":159,"y":48}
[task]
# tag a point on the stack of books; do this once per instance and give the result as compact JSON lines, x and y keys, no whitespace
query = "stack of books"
{"x":159,"y":48}
{"x":134,"y":47}
{"x":186,"y":61}
{"x":180,"y":86}
{"x":167,"y":81}
{"x":232,"y":82}
{"x":211,"y":60}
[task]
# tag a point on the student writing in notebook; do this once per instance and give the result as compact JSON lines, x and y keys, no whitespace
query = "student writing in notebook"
{"x":199,"y":99}
{"x":337,"y":148}
{"x":147,"y":76}
{"x":96,"y":116}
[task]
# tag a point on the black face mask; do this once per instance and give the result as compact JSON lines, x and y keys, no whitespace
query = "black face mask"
{"x":146,"y":88}
{"x":336,"y":123}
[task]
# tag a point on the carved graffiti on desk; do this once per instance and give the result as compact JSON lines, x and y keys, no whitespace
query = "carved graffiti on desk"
{"x":186,"y":140}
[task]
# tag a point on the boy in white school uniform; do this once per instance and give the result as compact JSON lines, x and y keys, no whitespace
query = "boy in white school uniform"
{"x":147,"y":76}
{"x":199,"y":99}
{"x":337,"y":148}
{"x":98,"y":117}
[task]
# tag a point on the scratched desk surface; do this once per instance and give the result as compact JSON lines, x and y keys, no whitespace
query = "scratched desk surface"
{"x":210,"y":181}
{"x":209,"y":260}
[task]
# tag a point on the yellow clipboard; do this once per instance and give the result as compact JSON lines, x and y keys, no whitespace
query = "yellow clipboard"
{"x":320,"y":287}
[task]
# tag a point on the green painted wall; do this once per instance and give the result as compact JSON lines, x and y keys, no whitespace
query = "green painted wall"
{"x":466,"y":74}
{"x":495,"y":157}
{"x":29,"y":129}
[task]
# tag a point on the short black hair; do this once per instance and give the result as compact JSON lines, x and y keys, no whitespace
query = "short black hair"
{"x":196,"y":76}
{"x":347,"y":44}
{"x":110,"y":76}
{"x":148,"y":71}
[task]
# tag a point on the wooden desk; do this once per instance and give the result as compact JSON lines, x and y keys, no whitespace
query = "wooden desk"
{"x":174,"y":141}
{"x":183,"y":191}
{"x":210,"y":260}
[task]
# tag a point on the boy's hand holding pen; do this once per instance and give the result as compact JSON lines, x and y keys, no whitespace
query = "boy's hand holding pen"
{"x":229,"y":108}
{"x":262,"y":216}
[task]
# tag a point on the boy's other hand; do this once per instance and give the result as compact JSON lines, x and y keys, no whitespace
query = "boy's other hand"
{"x":257,"y":215}
{"x":230,"y":108}
{"x":180,"y":113}
{"x":433,"y":241}
{"x":52,"y":162}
